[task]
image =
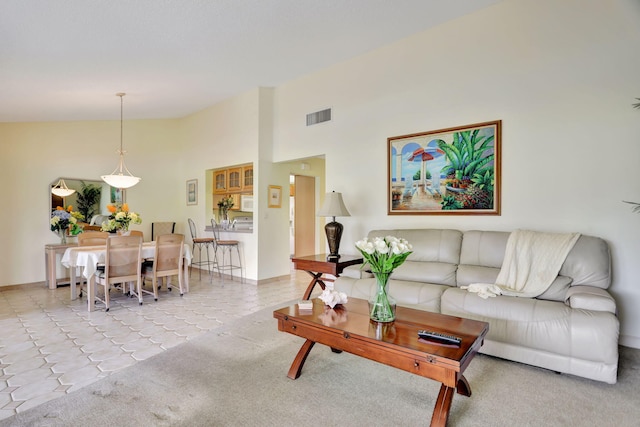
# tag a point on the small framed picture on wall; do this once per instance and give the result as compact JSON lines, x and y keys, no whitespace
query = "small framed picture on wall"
{"x":118,"y":195}
{"x":275,"y":196}
{"x":192,"y":192}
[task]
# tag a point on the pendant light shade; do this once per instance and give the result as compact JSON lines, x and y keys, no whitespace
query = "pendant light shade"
{"x":118,"y":178}
{"x":61,"y":189}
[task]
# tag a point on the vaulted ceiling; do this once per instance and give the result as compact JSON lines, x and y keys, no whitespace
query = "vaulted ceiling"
{"x":66,"y":59}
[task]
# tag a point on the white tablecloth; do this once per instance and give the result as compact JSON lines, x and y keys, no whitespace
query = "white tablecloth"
{"x":88,"y":258}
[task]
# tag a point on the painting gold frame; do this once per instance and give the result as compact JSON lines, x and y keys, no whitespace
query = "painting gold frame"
{"x":453,"y":171}
{"x":275,"y":196}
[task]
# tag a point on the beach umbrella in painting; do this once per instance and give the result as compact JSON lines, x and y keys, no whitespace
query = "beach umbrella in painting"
{"x":423,"y":155}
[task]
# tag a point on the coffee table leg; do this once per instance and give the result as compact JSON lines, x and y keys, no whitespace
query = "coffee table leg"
{"x":445,"y":398}
{"x":301,"y":357}
{"x":463,"y":386}
{"x":442,"y":407}
{"x":316,"y":278}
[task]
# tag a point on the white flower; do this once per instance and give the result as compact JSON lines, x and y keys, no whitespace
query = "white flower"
{"x":366,"y":246}
{"x":381,"y":245}
{"x":383,"y":255}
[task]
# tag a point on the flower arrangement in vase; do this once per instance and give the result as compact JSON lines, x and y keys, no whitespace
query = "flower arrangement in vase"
{"x":383,"y":255}
{"x":224,"y":205}
{"x":65,"y":221}
{"x":120,"y":218}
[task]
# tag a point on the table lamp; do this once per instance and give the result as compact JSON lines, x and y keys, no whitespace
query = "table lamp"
{"x":333,"y":206}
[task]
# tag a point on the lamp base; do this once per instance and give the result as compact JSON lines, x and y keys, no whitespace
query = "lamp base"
{"x":334,"y":234}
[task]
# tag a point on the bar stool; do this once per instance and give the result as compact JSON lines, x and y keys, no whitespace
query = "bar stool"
{"x":200,"y":242}
{"x":226,"y":246}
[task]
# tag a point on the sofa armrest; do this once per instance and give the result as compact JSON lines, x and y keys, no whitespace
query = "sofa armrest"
{"x":590,"y":298}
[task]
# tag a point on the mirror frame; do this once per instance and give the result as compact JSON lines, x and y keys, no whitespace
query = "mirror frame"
{"x":76,"y":184}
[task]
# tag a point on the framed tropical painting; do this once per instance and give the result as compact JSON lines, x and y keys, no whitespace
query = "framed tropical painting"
{"x":453,"y":171}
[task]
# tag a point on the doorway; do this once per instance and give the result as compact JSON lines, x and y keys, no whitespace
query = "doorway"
{"x":303,"y":215}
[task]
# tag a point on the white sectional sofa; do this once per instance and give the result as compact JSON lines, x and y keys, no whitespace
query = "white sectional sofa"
{"x":571,"y":328}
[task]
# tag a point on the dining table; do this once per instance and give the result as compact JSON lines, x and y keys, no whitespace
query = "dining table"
{"x":87,"y":258}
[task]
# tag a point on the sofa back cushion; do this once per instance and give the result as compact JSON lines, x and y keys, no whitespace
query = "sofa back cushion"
{"x":588,"y":263}
{"x":435,"y":257}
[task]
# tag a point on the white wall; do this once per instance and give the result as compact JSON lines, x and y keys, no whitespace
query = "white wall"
{"x":35,"y":154}
{"x":560,"y":75}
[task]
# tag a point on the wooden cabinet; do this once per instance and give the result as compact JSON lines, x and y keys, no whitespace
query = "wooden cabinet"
{"x":234,"y":179}
{"x":220,"y":181}
{"x":236,"y":202}
{"x":247,"y":178}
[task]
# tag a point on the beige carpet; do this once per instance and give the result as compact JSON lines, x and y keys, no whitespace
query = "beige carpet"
{"x":236,"y":376}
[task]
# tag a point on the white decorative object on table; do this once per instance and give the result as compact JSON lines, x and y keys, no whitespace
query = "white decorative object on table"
{"x":333,"y":298}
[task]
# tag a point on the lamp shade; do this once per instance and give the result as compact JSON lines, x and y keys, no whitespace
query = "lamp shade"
{"x":118,"y":178}
{"x":61,"y":189}
{"x":333,"y":206}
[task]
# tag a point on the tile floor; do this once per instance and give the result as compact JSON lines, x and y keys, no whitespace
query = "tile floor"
{"x":51,"y":345}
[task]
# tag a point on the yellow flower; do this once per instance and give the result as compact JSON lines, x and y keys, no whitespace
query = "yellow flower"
{"x":125,"y":207}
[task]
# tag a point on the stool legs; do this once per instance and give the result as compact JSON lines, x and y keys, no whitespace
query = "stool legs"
{"x":230,"y":266}
{"x":200,"y":262}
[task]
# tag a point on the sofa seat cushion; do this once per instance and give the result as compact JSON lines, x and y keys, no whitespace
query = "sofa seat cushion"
{"x":422,"y":296}
{"x":424,"y":271}
{"x":546,"y":326}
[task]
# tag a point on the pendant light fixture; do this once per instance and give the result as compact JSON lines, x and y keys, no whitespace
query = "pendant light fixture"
{"x":61,"y":189}
{"x":118,"y":178}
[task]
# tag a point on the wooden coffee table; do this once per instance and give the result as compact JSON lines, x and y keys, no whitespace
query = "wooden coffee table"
{"x":348,"y":328}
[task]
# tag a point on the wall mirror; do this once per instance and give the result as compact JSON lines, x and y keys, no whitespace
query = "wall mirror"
{"x":86,"y":191}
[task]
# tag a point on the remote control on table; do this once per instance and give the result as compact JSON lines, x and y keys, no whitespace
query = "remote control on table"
{"x":439,"y":337}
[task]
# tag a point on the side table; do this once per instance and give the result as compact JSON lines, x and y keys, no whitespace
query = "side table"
{"x":50,"y":263}
{"x":317,"y":265}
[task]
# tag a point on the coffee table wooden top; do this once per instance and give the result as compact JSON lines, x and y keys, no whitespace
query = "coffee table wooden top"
{"x":352,"y":320}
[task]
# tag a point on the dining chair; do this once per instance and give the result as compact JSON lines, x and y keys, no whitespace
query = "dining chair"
{"x":226,"y":247}
{"x":136,"y":233}
{"x":200,"y":242}
{"x":158,"y":228}
{"x":123,"y":264}
{"x":166,"y":263}
{"x":90,"y":238}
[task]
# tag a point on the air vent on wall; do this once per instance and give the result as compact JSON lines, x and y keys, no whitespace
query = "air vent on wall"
{"x":319,"y":117}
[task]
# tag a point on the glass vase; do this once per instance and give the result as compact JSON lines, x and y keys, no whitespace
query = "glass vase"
{"x":382,"y":307}
{"x":63,"y":236}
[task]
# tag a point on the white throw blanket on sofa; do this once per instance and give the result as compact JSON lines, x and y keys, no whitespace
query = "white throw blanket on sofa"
{"x":531,"y":262}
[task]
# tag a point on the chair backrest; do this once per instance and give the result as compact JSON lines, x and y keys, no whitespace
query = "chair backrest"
{"x":136,"y":233}
{"x":192,"y":228}
{"x":216,"y":229}
{"x":158,"y":228}
{"x":124,"y":258}
{"x":92,"y":238}
{"x":169,"y":249}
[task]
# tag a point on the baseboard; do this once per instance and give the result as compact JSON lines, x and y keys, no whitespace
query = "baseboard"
{"x":274,"y":279}
{"x":629,"y":341}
